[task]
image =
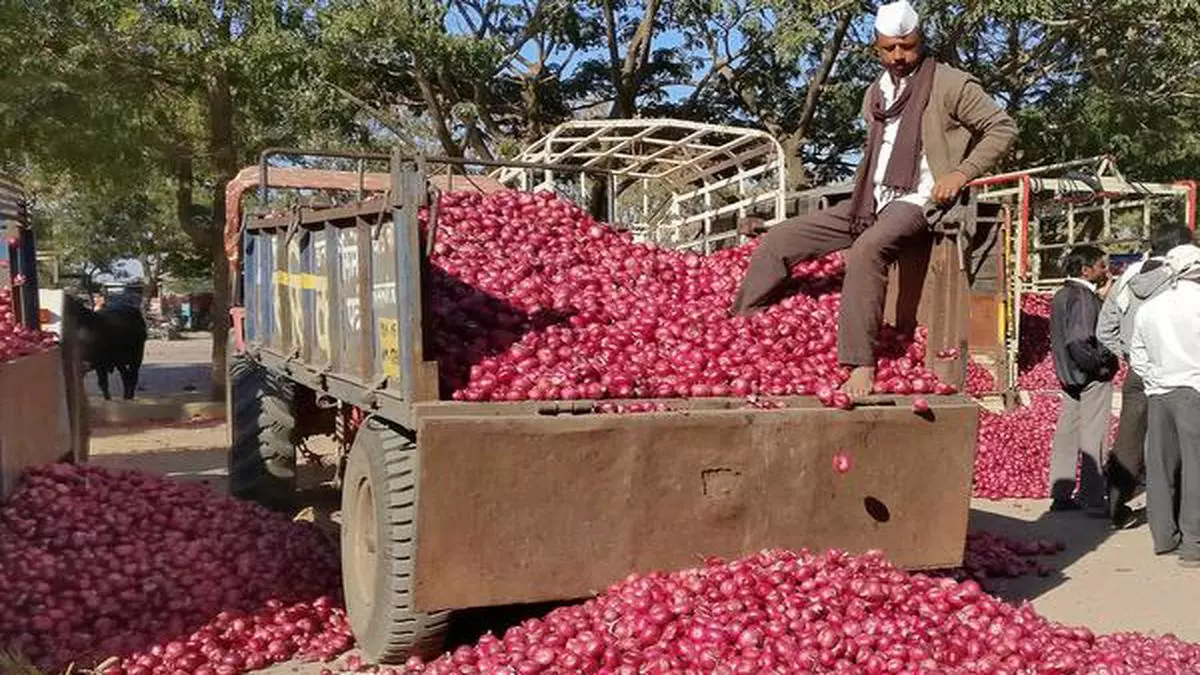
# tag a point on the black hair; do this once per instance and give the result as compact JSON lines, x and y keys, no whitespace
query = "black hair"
{"x":1168,"y":237}
{"x":1081,"y":257}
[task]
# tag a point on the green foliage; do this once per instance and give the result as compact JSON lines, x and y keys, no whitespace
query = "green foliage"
{"x":138,"y":104}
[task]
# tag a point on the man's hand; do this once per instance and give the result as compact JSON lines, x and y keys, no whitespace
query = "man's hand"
{"x":947,"y":187}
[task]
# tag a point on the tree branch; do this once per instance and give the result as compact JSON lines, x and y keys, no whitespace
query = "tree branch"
{"x":829,"y":56}
{"x":434,"y":106}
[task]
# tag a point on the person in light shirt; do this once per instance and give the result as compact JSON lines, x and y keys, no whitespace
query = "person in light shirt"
{"x":931,"y":129}
{"x":1141,"y":281}
{"x":1165,"y":352}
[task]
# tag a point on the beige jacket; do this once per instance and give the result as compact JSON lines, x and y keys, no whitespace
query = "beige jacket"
{"x":962,"y":128}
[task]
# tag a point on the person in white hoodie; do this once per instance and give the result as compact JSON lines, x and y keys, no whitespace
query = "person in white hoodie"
{"x":1165,"y":352}
{"x":1141,"y":281}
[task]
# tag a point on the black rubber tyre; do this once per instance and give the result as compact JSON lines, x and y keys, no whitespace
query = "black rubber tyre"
{"x":262,"y":434}
{"x":379,"y":500}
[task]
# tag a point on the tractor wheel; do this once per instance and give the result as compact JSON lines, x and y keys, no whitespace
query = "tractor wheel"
{"x":379,"y":508}
{"x":262,"y":434}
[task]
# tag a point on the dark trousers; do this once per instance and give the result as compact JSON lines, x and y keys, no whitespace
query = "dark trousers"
{"x":1173,"y":470}
{"x":1079,"y":440}
{"x":870,"y":253}
{"x":1127,"y":461}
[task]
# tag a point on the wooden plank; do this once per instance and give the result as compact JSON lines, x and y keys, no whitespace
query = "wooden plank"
{"x":34,"y":426}
{"x":534,"y":508}
{"x":927,"y":285}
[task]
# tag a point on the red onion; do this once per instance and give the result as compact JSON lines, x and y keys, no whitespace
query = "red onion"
{"x":16,"y":340}
{"x":980,"y":380}
{"x":842,"y":463}
{"x":532,"y":299}
{"x":990,"y":555}
{"x":789,"y":612}
{"x":167,"y":576}
{"x":1012,"y":454}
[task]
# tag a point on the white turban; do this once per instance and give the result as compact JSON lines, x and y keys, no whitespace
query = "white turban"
{"x":1184,"y":261}
{"x":896,"y":19}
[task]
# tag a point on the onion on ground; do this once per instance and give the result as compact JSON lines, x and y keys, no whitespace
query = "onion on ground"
{"x":167,"y":576}
{"x":17,"y":341}
{"x":796,"y":612}
{"x":170,"y":578}
{"x":1012,"y":453}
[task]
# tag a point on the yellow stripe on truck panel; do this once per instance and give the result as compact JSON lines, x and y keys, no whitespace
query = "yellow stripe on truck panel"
{"x":305,"y":281}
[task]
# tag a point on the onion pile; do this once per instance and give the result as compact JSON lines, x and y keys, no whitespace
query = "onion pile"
{"x":785,"y":612}
{"x":979,"y":380}
{"x":1035,"y":360}
{"x":16,"y":340}
{"x":989,"y":555}
{"x":1012,"y":454}
{"x":532,"y":299}
{"x":167,"y":576}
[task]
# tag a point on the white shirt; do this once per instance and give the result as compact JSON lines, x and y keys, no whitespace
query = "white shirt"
{"x":883,"y":194}
{"x":1165,"y":348}
{"x":1083,"y":282}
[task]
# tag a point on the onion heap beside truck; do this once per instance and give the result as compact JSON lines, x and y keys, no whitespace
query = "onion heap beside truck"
{"x":43,"y":407}
{"x":454,"y":504}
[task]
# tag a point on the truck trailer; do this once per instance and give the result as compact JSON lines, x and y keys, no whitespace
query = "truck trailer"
{"x":448,"y":505}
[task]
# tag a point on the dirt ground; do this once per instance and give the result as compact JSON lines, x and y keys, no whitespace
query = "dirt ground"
{"x":1109,"y":582}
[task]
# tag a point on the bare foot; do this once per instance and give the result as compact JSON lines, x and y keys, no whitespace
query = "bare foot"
{"x":861,"y":382}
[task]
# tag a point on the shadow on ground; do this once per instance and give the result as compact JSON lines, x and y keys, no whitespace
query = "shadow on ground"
{"x":1082,"y":534}
{"x":160,"y":379}
{"x":196,"y":465}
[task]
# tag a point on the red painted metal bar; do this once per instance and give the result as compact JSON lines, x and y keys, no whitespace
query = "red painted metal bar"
{"x":1191,"y":202}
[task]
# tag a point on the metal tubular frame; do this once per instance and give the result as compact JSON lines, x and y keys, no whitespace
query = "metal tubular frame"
{"x":688,"y":175}
{"x":1024,"y":246}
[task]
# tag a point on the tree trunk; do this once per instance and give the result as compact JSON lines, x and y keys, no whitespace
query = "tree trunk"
{"x":224,"y":156}
{"x":149,"y":283}
{"x":793,"y":156}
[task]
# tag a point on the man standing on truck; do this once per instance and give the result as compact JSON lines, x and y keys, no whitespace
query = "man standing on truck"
{"x":931,"y":129}
{"x":1115,"y":329}
{"x":1085,"y":370}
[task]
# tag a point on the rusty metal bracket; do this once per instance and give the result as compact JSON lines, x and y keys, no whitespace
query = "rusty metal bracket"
{"x":433,"y":195}
{"x":383,"y":208}
{"x":294,"y":224}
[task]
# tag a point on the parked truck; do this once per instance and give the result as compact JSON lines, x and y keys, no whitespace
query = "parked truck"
{"x":43,"y":404}
{"x":448,"y":505}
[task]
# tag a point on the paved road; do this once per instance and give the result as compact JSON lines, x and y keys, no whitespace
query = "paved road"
{"x":169,"y":368}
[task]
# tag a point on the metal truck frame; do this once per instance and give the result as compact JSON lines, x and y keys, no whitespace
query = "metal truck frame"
{"x":452,"y":505}
{"x":43,"y":403}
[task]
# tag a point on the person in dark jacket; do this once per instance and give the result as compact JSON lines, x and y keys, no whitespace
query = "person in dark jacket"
{"x":1141,"y":281}
{"x":1085,"y":370}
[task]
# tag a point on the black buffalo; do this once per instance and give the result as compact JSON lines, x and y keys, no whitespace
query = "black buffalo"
{"x":113,"y":338}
